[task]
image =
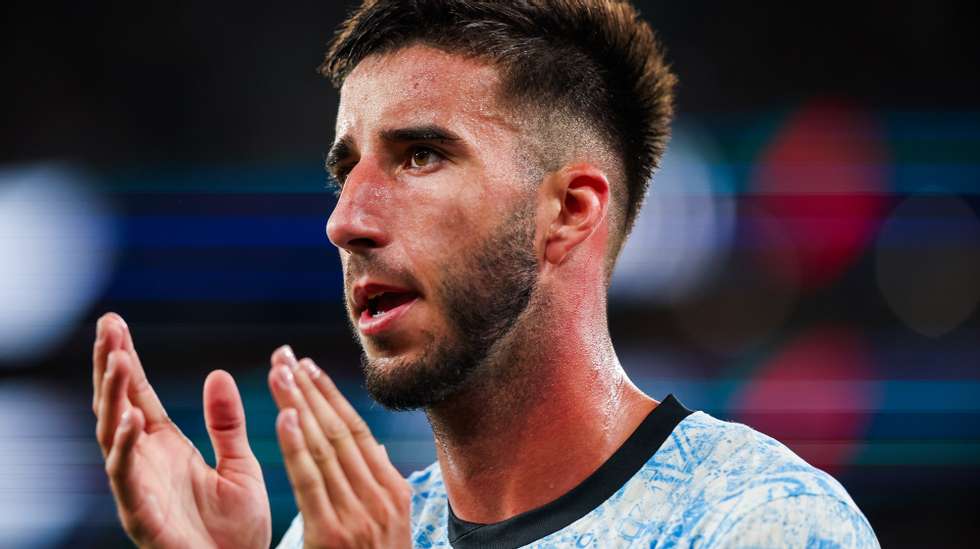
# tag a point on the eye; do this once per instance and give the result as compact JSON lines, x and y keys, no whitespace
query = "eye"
{"x":423,"y":157}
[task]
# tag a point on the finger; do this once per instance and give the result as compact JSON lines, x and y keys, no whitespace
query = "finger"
{"x":308,"y":485}
{"x":335,"y":430}
{"x":120,"y":462}
{"x":224,"y":417}
{"x":380,"y":465}
{"x":141,"y":393}
{"x":287,"y":395}
{"x":114,"y":402}
{"x":107,"y":338}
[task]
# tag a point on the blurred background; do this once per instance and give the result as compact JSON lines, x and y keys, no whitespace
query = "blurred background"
{"x":808,"y":260}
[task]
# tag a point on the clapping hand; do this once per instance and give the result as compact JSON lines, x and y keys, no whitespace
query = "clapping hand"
{"x":166,"y":494}
{"x":349,"y":493}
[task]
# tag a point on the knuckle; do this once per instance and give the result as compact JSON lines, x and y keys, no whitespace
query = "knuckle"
{"x":337,"y":432}
{"x":363,"y":534}
{"x":328,"y":536}
{"x":322,"y":454}
{"x":104,"y":440}
{"x":304,"y":483}
{"x":322,"y":534}
{"x":383,"y":513}
{"x":111,"y":467}
{"x":359,"y":428}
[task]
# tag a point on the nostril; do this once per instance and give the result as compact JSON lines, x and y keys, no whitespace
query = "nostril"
{"x":362,"y":243}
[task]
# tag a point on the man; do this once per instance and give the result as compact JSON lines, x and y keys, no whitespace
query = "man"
{"x":490,"y":160}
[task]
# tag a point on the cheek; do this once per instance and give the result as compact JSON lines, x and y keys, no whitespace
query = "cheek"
{"x":434,"y":216}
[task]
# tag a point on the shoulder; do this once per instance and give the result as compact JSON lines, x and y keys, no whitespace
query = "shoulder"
{"x":803,"y":520}
{"x":730,"y":460}
{"x":750,"y":489}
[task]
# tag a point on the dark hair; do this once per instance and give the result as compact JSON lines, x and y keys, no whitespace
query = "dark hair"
{"x":595,"y":60}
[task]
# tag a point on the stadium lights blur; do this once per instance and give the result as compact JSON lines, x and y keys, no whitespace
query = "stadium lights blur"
{"x":685,"y":227}
{"x":56,"y":247}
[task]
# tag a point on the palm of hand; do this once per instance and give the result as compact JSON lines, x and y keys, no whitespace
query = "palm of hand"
{"x":167,"y":496}
{"x":186,"y":502}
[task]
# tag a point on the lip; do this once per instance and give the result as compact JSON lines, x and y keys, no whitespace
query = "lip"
{"x":373,"y":325}
{"x":363,"y":290}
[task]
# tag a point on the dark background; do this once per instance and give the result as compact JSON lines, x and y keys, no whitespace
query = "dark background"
{"x":164,"y":161}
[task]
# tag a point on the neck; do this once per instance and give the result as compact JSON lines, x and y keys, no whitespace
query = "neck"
{"x":557,"y":407}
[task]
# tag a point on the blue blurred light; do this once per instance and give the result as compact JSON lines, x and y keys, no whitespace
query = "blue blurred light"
{"x":55,"y":255}
{"x":685,"y":227}
{"x":927,"y":263}
{"x":45,"y":455}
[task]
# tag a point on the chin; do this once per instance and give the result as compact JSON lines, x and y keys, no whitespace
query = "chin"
{"x":415,"y":380}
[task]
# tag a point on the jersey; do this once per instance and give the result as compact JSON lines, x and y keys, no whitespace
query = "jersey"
{"x":682,"y":479}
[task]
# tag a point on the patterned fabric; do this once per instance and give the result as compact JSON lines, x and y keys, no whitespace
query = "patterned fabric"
{"x":711,"y":484}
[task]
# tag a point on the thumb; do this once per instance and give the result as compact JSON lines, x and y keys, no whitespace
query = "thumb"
{"x":225,"y":419}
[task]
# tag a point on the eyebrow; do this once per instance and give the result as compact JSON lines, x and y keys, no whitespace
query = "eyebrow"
{"x":429,"y":132}
{"x":340,"y":151}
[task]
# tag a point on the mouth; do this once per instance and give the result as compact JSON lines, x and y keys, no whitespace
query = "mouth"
{"x":378,"y":307}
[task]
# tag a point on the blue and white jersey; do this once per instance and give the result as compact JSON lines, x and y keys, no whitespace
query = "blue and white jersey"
{"x":682,"y":479}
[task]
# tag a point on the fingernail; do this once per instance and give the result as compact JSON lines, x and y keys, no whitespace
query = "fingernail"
{"x":285,"y":378}
{"x":287,"y":353}
{"x":121,"y":321}
{"x":127,"y":420}
{"x":383,"y":449}
{"x":311,"y":368}
{"x":289,"y":419}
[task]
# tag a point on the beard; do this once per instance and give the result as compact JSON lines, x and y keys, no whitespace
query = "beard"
{"x":484,"y":295}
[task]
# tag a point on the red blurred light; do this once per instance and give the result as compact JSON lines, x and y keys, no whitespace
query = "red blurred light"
{"x":816,"y":395}
{"x":824,"y":177}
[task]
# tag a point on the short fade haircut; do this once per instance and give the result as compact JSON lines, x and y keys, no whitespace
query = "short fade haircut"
{"x":596,"y":61}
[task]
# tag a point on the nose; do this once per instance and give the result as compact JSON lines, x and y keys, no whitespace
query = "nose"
{"x":356,"y":224}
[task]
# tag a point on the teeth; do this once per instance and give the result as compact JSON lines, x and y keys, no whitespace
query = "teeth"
{"x":380,"y":313}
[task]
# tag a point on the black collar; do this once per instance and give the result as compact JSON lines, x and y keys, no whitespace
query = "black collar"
{"x":537,"y":523}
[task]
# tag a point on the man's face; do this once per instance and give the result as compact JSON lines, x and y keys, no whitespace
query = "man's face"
{"x":435,"y":222}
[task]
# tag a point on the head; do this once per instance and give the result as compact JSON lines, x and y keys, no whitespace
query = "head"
{"x":488,"y":154}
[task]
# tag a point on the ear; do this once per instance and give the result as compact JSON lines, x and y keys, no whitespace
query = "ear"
{"x":582,"y":193}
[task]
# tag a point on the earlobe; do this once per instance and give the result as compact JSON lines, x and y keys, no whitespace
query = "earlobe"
{"x":583,"y":194}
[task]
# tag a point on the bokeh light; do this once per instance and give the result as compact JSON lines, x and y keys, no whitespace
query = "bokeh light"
{"x":45,"y":450}
{"x":685,"y":227}
{"x":824,"y":176}
{"x":927,"y":263}
{"x":55,"y":254}
{"x":816,"y":394}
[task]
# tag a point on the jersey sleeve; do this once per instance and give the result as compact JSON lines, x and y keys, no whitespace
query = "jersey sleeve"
{"x":811,"y":521}
{"x":293,"y":538}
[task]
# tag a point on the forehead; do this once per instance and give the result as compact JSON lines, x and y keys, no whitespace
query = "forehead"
{"x":419,"y":85}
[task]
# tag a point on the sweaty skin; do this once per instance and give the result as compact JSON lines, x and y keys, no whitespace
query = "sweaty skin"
{"x":552,"y":402}
{"x":503,"y":444}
